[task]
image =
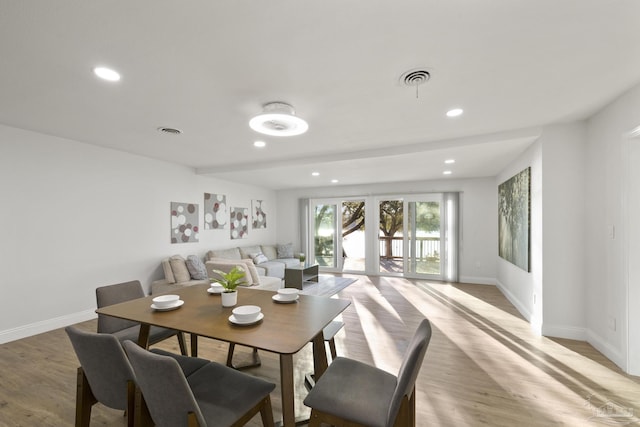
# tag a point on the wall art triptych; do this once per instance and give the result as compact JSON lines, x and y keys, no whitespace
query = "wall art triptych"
{"x":217,"y":216}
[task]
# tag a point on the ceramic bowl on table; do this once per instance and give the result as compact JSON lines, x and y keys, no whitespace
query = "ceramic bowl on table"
{"x":216,"y":288}
{"x":287,"y":294}
{"x":246,"y":313}
{"x":165,"y":301}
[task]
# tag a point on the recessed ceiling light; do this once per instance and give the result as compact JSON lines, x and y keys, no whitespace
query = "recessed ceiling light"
{"x":259,"y":144}
{"x":107,"y":74}
{"x":315,"y":173}
{"x":449,"y":161}
{"x":278,"y":119}
{"x":446,"y":173}
{"x":334,"y":181}
{"x":455,"y":112}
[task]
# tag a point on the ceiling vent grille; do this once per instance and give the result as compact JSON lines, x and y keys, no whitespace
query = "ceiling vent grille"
{"x":415,"y":77}
{"x":172,"y":131}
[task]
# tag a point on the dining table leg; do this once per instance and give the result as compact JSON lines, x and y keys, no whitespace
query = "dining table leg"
{"x":143,"y":335}
{"x":286,"y":386}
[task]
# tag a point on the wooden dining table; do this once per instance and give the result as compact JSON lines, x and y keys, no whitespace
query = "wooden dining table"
{"x":284,"y":330}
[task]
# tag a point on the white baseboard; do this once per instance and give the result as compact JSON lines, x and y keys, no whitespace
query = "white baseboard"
{"x":568,"y":332}
{"x":612,"y":353}
{"x":45,"y":326}
{"x":477,"y":280}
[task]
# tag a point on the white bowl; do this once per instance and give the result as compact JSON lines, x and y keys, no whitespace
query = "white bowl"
{"x":246,"y":313}
{"x":216,"y":287}
{"x":164,"y":301}
{"x":287,"y":294}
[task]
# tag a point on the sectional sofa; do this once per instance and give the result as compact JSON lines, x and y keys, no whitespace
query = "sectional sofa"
{"x":264,"y":265}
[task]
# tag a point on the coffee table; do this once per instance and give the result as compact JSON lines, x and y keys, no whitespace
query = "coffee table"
{"x":285,"y":329}
{"x":295,"y":277}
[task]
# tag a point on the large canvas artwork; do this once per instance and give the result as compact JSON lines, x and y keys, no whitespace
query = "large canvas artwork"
{"x":184,"y":222}
{"x":514,"y":217}
{"x":239,"y":223}
{"x":215,"y":211}
{"x":258,"y":215}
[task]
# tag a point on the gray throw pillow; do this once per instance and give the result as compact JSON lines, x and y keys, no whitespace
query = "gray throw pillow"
{"x":196,"y":268}
{"x":285,"y":251}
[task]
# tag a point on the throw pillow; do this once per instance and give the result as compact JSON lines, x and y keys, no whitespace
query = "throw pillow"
{"x":259,"y":258}
{"x":269,"y":251}
{"x":179,"y":268}
{"x":196,"y":268}
{"x":168,"y":273}
{"x":285,"y":251}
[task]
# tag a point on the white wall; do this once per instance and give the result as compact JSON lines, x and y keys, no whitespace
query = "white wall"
{"x":76,"y":216}
{"x":551,"y":295}
{"x":607,"y":305}
{"x":563,"y":215}
{"x":478,"y":217}
{"x":516,"y":284}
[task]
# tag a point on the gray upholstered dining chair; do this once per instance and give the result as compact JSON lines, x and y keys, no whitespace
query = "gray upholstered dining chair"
{"x":126,"y":329}
{"x":213,"y":395}
{"x":356,"y":394}
{"x":104,"y":375}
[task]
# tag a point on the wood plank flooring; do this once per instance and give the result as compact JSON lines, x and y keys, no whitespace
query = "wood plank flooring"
{"x":483,"y":367}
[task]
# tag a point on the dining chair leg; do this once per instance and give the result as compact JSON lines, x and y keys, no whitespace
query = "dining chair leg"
{"x":183,"y":344}
{"x":266,"y":413}
{"x":84,"y":400}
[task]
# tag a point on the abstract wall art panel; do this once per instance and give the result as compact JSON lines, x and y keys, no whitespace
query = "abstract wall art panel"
{"x":514,"y":218}
{"x":258,"y":215}
{"x":239,"y":223}
{"x":215,"y":211}
{"x":184,"y":222}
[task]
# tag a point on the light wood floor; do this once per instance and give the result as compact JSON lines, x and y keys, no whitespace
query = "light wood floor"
{"x":483,"y":367}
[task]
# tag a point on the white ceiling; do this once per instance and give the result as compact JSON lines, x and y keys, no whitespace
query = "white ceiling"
{"x":206,"y":67}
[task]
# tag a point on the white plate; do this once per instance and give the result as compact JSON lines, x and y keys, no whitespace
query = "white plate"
{"x":171,"y":307}
{"x":279,"y":299}
{"x":214,"y":291}
{"x":235,"y":321}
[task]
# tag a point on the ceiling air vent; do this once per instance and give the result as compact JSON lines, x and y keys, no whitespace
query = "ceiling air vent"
{"x":171,"y":131}
{"x":415,"y":78}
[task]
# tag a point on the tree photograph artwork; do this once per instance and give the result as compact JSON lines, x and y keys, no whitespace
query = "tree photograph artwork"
{"x":514,"y":219}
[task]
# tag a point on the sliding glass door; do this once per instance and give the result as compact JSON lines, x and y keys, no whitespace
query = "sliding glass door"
{"x":408,"y":235}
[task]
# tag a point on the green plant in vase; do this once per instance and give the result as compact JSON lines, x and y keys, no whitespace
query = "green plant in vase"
{"x":230,"y":281}
{"x":302,"y":257}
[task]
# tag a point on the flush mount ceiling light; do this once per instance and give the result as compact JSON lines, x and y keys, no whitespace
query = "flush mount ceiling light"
{"x":260,"y":144}
{"x":278,"y":119}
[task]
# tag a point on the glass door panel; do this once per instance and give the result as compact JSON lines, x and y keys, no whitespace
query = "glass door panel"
{"x":325,"y":226}
{"x":424,"y":238}
{"x":390,"y":236}
{"x":353,"y":235}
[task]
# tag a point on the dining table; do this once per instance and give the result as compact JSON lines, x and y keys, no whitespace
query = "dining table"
{"x":284,"y":328}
